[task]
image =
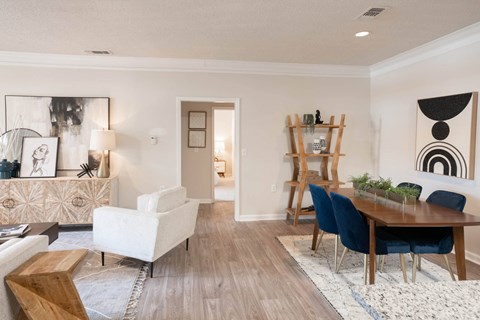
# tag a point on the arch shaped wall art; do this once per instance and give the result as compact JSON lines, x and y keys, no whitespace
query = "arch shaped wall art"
{"x":446,"y":129}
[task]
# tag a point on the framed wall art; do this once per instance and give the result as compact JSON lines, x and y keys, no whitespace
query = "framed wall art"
{"x":446,"y":130}
{"x":39,"y":157}
{"x":69,"y":118}
{"x":197,"y":138}
{"x":197,"y":120}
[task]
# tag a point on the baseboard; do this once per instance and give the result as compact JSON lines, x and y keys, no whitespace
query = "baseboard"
{"x":275,"y":216}
{"x":205,"y":200}
{"x":473,"y":257}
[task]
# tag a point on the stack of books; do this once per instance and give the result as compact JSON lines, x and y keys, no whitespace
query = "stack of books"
{"x":13,"y":231}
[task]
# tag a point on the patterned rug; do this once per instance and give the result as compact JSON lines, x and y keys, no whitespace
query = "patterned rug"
{"x":338,"y":288}
{"x":108,"y":292}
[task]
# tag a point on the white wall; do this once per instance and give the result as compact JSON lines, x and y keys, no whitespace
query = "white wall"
{"x":394,"y":104}
{"x":145,"y":100}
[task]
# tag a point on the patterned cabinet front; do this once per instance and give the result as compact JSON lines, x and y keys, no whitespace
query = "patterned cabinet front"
{"x":28,"y":201}
{"x":5,"y":201}
{"x":64,"y":200}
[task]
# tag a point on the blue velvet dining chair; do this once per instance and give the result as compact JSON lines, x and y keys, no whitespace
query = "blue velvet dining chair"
{"x":354,"y":234}
{"x":411,"y":185}
{"x":325,"y":216}
{"x":435,"y":240}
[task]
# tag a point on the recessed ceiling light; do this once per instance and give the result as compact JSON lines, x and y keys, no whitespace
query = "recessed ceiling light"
{"x":362,"y":34}
{"x":99,"y":52}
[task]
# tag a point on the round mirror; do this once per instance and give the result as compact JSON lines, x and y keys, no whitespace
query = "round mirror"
{"x":11,"y":142}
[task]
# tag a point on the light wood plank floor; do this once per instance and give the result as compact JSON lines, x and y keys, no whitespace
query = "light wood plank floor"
{"x":236,"y":270}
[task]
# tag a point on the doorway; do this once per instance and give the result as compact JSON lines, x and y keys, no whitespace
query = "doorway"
{"x":224,"y":148}
{"x":196,"y":163}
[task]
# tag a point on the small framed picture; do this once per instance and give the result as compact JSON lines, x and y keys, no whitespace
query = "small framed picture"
{"x":197,"y":138}
{"x":39,"y":157}
{"x":197,"y":120}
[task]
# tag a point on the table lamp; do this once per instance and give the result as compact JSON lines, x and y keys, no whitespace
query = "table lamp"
{"x":102,"y":140}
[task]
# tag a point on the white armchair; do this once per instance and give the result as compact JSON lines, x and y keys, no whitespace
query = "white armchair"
{"x":161,"y":222}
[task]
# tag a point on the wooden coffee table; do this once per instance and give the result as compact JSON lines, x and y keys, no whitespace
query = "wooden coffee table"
{"x":41,"y":228}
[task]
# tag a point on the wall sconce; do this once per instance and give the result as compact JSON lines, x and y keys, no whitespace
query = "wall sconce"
{"x":102,"y":140}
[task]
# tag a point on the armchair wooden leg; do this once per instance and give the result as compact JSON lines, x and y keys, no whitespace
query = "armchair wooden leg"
{"x":151,"y":269}
{"x":365,"y":269}
{"x":404,"y":268}
{"x":319,"y":240}
{"x":414,"y":267}
{"x":103,"y":258}
{"x":341,"y":260}
{"x":187,"y":244}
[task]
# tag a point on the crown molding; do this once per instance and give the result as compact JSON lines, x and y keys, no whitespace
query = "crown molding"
{"x":461,"y":38}
{"x":180,"y":65}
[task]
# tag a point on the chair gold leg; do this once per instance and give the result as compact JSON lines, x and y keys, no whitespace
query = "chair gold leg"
{"x":319,"y":240}
{"x":383,"y":263}
{"x":404,"y":268}
{"x":448,"y":266}
{"x":341,"y":260}
{"x":414,"y":267}
{"x":336,"y":251}
{"x":365,"y":269}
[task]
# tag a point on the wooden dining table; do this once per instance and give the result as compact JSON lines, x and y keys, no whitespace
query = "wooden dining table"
{"x":382,"y":212}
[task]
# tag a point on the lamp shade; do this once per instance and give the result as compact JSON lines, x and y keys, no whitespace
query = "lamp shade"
{"x":102,"y":140}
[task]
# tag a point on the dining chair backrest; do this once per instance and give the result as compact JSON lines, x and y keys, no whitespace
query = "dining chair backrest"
{"x":448,"y":199}
{"x":353,"y":229}
{"x":323,"y":209}
{"x":411,"y":185}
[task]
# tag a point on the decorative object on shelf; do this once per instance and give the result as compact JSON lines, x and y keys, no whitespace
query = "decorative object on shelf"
{"x":309,"y":120}
{"x":316,"y":149}
{"x":197,"y":138}
{"x":318,"y":118}
{"x":39,"y":157}
{"x":5,"y":169}
{"x":85,"y":171}
{"x":69,"y":118}
{"x":446,"y":135}
{"x":102,"y":140}
{"x":197,"y":120}
{"x":15,"y":169}
{"x":323,"y":144}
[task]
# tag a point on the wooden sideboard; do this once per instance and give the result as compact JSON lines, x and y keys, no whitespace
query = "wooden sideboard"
{"x":66,"y":200}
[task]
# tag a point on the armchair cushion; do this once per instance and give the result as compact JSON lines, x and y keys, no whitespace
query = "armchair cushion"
{"x":162,"y":201}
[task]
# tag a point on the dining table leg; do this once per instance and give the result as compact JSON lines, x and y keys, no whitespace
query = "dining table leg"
{"x":315,"y":235}
{"x":459,"y":240}
{"x":371,"y":223}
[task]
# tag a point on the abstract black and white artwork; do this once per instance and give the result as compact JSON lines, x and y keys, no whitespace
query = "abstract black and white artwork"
{"x":72,"y":119}
{"x":446,"y":128}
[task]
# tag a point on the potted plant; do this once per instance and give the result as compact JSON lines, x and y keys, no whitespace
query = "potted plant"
{"x":379,"y":186}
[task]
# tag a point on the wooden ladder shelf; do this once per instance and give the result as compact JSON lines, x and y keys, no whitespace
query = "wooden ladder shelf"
{"x":300,"y":164}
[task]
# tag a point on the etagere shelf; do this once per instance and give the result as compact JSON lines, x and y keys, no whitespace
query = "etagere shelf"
{"x":328,"y":174}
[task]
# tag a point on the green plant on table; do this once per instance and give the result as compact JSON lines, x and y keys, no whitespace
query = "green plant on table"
{"x":404,"y":191}
{"x":359,"y":182}
{"x":381,"y":184}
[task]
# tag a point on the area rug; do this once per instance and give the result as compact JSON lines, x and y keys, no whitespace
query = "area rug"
{"x":107,"y":292}
{"x":338,"y":288}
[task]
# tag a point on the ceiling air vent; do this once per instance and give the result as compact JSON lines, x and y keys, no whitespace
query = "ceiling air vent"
{"x":372,"y":13}
{"x":99,"y":52}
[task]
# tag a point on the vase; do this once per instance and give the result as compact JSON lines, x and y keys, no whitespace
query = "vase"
{"x":5,"y":169}
{"x":323,"y":144}
{"x":316,"y":146}
{"x":15,"y":169}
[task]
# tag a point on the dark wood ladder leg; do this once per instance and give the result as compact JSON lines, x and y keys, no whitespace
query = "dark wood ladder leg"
{"x":187,"y":244}
{"x":103,"y":258}
{"x":151,"y":269}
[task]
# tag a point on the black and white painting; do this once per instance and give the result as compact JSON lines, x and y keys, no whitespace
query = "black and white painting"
{"x":39,"y":157}
{"x":70,"y":118}
{"x":446,"y":128}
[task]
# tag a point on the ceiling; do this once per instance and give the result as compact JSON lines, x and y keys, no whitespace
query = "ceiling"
{"x":283,"y":31}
